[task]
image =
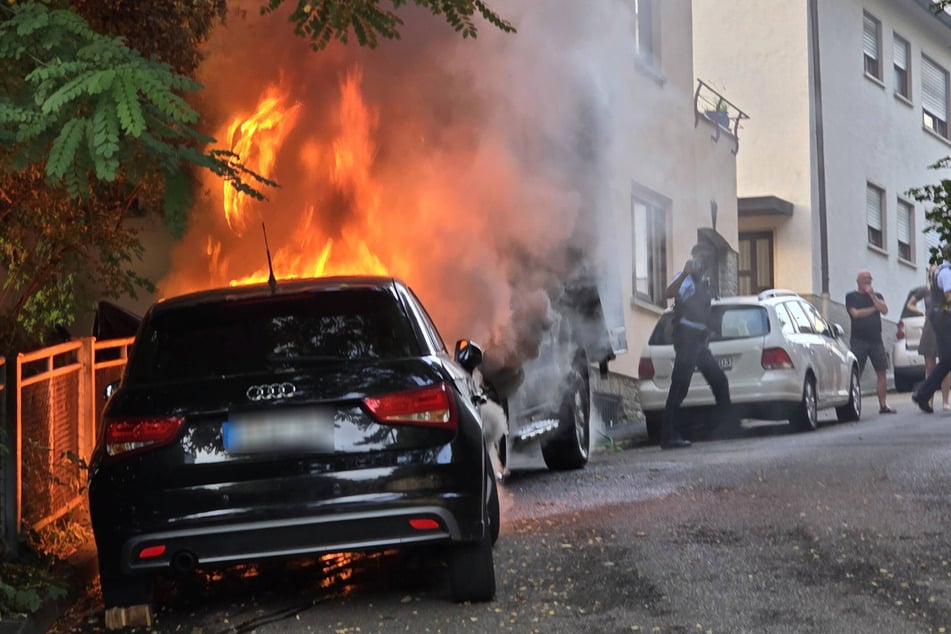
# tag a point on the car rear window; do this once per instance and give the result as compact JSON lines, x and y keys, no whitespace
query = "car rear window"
{"x":238,"y":337}
{"x":728,"y":322}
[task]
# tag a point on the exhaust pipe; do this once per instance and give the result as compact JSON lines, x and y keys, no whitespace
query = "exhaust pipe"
{"x":184,"y":561}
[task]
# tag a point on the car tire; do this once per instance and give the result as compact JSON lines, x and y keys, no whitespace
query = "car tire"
{"x":126,"y":590}
{"x":806,"y":415}
{"x":654,"y":422}
{"x":851,"y":411}
{"x":472,"y":571}
{"x":569,"y":448}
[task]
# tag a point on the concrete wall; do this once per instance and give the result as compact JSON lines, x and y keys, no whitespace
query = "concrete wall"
{"x":756,"y":53}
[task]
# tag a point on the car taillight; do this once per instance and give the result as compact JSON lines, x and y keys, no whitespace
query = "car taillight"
{"x":900,"y":333}
{"x":776,"y":359}
{"x":125,"y":436}
{"x":645,"y":368}
{"x":431,"y":406}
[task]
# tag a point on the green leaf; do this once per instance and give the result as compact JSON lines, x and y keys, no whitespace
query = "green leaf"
{"x":65,"y":146}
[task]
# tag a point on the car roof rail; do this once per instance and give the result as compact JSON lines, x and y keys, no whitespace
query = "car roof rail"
{"x":777,"y":292}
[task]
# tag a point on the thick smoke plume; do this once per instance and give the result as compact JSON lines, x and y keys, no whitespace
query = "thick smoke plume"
{"x":472,"y":169}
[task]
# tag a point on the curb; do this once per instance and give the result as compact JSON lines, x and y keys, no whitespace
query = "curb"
{"x":83,"y":570}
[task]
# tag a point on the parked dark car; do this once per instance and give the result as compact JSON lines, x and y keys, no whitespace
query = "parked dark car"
{"x":306,"y":417}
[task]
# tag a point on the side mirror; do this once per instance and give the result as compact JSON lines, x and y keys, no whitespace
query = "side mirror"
{"x":109,"y":390}
{"x":838,"y":330}
{"x":468,"y":355}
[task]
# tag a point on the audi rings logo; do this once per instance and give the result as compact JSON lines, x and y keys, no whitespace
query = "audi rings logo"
{"x":271,"y":391}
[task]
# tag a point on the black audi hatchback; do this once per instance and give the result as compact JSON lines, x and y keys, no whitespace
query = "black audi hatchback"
{"x":288,"y":420}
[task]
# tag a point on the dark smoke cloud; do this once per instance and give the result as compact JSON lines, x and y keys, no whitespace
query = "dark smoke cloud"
{"x":487,"y":156}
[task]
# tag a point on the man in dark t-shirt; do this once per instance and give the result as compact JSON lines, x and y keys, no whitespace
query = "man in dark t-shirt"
{"x":866,"y":308}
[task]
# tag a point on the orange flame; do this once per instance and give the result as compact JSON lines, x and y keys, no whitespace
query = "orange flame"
{"x":258,"y":140}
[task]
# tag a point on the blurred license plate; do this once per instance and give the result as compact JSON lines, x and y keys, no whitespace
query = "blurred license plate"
{"x":304,"y":429}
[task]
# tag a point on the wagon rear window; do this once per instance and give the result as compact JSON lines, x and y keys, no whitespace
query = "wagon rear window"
{"x":727,"y":322}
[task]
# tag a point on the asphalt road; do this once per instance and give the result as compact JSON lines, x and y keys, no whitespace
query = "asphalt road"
{"x":845,"y":529}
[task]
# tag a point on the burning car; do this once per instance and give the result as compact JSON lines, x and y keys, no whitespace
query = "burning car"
{"x":548,"y":397}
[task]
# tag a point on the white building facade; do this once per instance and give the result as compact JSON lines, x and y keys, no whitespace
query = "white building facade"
{"x":675,"y":172}
{"x":849,"y":105}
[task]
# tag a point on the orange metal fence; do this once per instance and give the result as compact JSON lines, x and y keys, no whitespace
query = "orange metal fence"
{"x":7,"y":485}
{"x":58,"y":404}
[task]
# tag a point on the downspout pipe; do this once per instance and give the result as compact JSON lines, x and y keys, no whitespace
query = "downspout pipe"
{"x":820,"y":150}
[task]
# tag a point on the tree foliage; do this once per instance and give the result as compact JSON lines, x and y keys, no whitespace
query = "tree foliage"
{"x":90,"y":132}
{"x":937,"y":199}
{"x":322,"y":21}
{"x":96,"y":126}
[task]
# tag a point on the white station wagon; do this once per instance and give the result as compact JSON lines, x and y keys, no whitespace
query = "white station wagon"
{"x":784,"y":361}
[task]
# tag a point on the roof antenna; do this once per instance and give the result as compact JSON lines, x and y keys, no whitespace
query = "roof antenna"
{"x":271,"y":281}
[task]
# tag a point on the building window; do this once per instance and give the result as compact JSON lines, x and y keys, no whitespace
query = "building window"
{"x":934,"y":97}
{"x":902,"y":55}
{"x":755,"y":266}
{"x":646,"y":32}
{"x":871,"y":44}
{"x":875,"y":215}
{"x":650,"y":251}
{"x":905,"y":229}
{"x":932,"y":244}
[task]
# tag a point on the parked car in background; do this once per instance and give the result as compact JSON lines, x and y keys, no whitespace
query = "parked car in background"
{"x":290,"y":420}
{"x":784,"y":361}
{"x":907,"y":364}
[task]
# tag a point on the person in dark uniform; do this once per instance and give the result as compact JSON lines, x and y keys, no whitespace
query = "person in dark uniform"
{"x":691,"y":293}
{"x":940,"y":317}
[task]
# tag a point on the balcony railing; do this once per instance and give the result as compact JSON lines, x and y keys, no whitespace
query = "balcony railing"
{"x":723,"y":113}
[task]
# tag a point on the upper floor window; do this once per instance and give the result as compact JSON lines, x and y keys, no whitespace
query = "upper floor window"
{"x":650,"y":251}
{"x":875,"y":215}
{"x":905,"y":229}
{"x":872,"y":46}
{"x":902,"y":55}
{"x":646,"y":31}
{"x":934,"y":97}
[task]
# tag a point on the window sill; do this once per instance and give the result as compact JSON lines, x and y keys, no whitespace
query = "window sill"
{"x":905,"y":100}
{"x":936,"y":135}
{"x":650,"y":69}
{"x":639,"y":302}
{"x":879,"y":250}
{"x":875,"y":80}
{"x":907,"y":263}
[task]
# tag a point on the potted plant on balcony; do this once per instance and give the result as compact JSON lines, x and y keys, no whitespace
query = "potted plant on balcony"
{"x":720,"y":116}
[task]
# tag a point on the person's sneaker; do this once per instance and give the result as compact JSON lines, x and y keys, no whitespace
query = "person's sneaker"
{"x":675,"y":443}
{"x":922,"y":405}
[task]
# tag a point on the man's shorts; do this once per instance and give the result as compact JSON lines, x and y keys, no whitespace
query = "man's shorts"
{"x":873,"y":350}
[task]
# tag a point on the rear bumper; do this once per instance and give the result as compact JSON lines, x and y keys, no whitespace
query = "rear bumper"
{"x":219,"y":523}
{"x":254,"y":541}
{"x":770,"y":398}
